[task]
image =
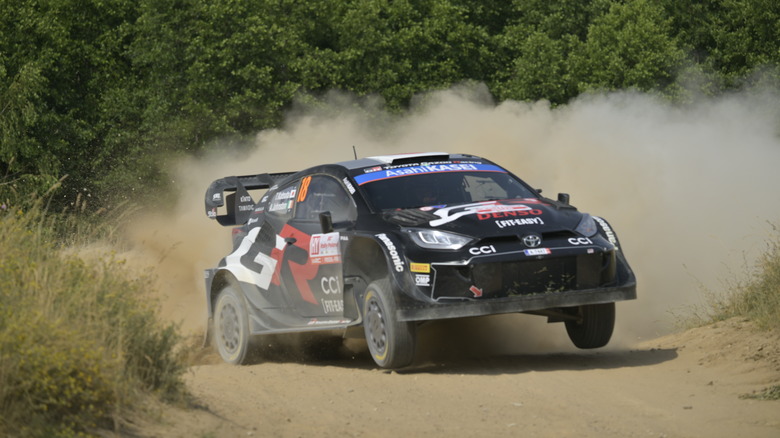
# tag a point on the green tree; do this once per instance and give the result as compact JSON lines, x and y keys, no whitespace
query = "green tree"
{"x":747,"y":38}
{"x":535,"y":47}
{"x":57,"y":57}
{"x":629,"y":47}
{"x":540,"y":71}
{"x":399,"y":48}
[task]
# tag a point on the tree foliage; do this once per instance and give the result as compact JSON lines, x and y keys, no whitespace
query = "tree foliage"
{"x":106,"y":90}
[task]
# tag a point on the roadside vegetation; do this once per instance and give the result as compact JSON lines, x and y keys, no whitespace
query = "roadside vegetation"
{"x":80,"y":342}
{"x":757,"y":298}
{"x":754,"y":298}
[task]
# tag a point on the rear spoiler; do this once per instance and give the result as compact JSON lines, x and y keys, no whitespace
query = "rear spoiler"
{"x":238,"y":202}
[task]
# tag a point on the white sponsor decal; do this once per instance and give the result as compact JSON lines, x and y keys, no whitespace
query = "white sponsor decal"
{"x":216,"y":197}
{"x":333,"y":306}
{"x":516,"y":222}
{"x":429,"y":169}
{"x":489,"y":249}
{"x":324,"y":248}
{"x":422,"y":280}
{"x":349,"y":185}
{"x":607,"y":230}
{"x":330,"y":285}
{"x":580,"y":241}
{"x":397,"y":262}
{"x":449,"y":214}
{"x":315,"y":321}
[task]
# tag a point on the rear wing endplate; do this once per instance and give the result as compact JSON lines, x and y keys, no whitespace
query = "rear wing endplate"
{"x":233,"y":193}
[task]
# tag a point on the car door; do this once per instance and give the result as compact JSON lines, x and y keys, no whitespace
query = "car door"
{"x":312,"y":259}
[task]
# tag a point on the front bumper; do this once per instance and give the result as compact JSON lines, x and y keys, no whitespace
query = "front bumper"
{"x":487,"y":285}
{"x":524,"y":303}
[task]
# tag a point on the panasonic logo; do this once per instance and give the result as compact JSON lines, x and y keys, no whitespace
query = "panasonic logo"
{"x":394,"y":256}
{"x":607,"y":230}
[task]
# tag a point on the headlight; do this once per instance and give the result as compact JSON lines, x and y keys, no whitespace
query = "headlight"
{"x":587,"y":226}
{"x":435,"y":239}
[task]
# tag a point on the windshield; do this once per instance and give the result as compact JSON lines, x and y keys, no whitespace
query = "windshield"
{"x":443,"y":188}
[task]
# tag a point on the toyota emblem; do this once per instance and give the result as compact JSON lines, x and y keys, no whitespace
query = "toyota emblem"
{"x":532,"y":240}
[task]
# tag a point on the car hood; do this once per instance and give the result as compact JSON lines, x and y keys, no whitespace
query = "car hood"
{"x":492,"y":218}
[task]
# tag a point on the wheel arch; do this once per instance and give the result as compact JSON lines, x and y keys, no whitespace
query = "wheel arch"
{"x":364,"y":262}
{"x":218,"y":279}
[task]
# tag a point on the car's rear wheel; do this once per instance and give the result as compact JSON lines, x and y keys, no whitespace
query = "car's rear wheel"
{"x":231,"y":326}
{"x":593,"y":325}
{"x":390,"y":342}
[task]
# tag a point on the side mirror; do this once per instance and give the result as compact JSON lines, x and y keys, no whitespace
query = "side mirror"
{"x":326,"y":222}
{"x":563,"y":198}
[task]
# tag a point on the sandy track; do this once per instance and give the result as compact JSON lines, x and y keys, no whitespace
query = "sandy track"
{"x":684,"y":385}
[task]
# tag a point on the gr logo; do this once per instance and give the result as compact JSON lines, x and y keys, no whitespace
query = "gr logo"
{"x":580,"y":241}
{"x":330,"y":285}
{"x":489,"y":249}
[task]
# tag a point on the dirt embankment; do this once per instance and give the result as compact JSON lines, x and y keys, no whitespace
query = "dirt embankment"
{"x":684,"y":385}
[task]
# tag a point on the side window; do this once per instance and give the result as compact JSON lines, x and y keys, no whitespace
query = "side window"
{"x":282,"y":202}
{"x":320,"y":193}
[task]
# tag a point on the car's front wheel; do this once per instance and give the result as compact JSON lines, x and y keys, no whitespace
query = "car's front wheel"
{"x":592,"y":326}
{"x":390,"y":342}
{"x":231,"y":326}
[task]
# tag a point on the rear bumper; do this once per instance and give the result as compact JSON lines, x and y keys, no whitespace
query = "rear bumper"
{"x":525,"y":303}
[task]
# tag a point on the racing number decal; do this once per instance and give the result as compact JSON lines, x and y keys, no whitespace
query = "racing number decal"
{"x":304,"y":189}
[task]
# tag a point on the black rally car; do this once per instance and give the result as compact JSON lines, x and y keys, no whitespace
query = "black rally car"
{"x":389,"y":242}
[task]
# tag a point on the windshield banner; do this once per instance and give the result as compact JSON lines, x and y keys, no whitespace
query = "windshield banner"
{"x":381,"y":174}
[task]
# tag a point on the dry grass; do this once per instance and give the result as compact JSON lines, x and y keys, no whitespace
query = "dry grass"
{"x":755,"y":298}
{"x":78,"y":342}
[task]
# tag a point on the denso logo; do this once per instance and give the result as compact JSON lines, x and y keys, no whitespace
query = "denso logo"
{"x":502,"y":211}
{"x":488,"y":249}
{"x":485,"y":210}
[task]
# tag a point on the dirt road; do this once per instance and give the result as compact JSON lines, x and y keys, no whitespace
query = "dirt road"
{"x":683,"y":385}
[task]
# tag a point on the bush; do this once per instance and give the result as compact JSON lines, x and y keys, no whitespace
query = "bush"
{"x":756,"y":298}
{"x":78,"y":342}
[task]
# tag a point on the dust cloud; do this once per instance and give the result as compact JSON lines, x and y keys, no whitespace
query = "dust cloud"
{"x":689,"y":189}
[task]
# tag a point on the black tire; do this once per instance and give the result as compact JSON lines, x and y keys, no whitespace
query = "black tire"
{"x":390,"y":342}
{"x":593,"y":326}
{"x":231,"y":326}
